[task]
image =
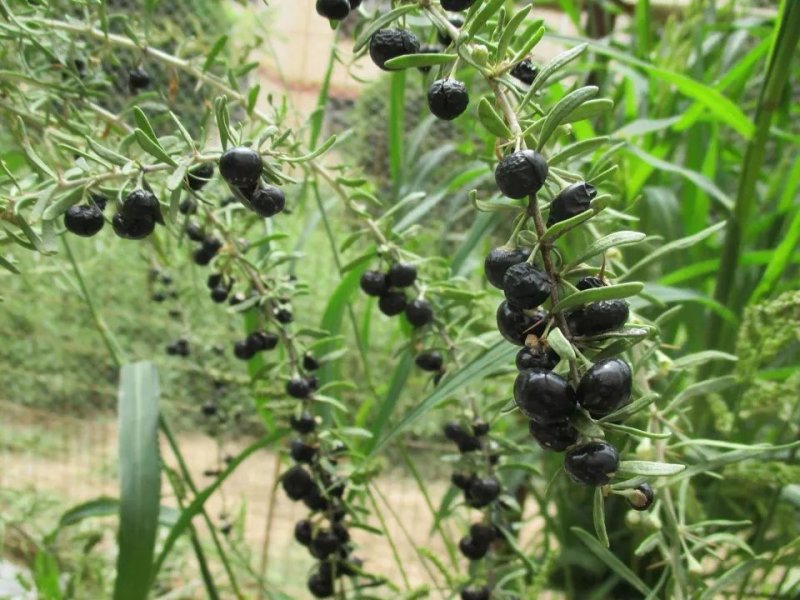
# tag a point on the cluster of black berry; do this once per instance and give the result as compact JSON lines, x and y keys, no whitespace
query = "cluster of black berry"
{"x":255,"y":342}
{"x":336,"y":10}
{"x":389,"y":289}
{"x":241,"y":168}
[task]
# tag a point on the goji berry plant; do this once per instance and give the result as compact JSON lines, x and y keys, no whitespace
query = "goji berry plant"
{"x":594,"y":427}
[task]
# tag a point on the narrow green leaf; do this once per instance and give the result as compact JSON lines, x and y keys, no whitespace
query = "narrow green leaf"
{"x":701,"y":358}
{"x":143,"y":123}
{"x":385,"y":409}
{"x":529,"y":45}
{"x":613,"y":240}
{"x":218,"y":46}
{"x":564,"y":107}
{"x":610,"y":560}
{"x":411,"y":61}
{"x":491,"y":120}
{"x":589,"y":110}
{"x":577,"y":149}
{"x":153,"y":148}
{"x":557,"y":341}
{"x":183,"y":131}
{"x":252,"y":98}
{"x":599,"y":516}
{"x":8,"y":266}
{"x":610,"y":292}
{"x":485,"y":12}
{"x":631,"y":409}
{"x":552,"y":67}
{"x":107,"y":154}
{"x":509,"y":30}
{"x":649,"y":469}
{"x":319,"y":151}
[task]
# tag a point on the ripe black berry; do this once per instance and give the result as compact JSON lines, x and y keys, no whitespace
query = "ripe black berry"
{"x":298,"y":387}
{"x":556,"y":436}
{"x":598,"y":317}
{"x":138,"y":79}
{"x":605,"y":387}
{"x":84,"y":220}
{"x":98,"y":200}
{"x":262,"y":340}
{"x":387,"y":44}
{"x":302,"y":452}
{"x":374,"y":283}
{"x":537,"y":357}
{"x":187,"y":207}
{"x":482,"y":492}
{"x":457,"y":5}
{"x":525,"y":286}
{"x":472,"y":548}
{"x":430,"y":360}
{"x":132,"y":228}
{"x":571,"y":201}
{"x":461,"y":480}
{"x":209,"y":409}
{"x":342,"y":534}
{"x":315,"y":500}
{"x":499,"y":260}
{"x":588,"y":283}
{"x":159,"y":296}
{"x":324,"y":544}
{"x":303,"y":532}
{"x":320,"y":585}
{"x":453,"y":431}
{"x":309,"y":362}
{"x":543,"y":395}
{"x":401,"y":275}
{"x":593,"y":463}
{"x":525,"y":71}
{"x":268,"y":201}
{"x":444,"y":36}
{"x":521,"y":174}
{"x":194,"y":232}
{"x":142,"y":204}
{"x":201,"y":257}
{"x":354,"y":4}
{"x":211,"y":245}
{"x":241,"y":167}
{"x":198,"y":177}
{"x":473,"y":593}
{"x":333,"y":9}
{"x":480,"y":428}
{"x":483,"y":534}
{"x":392,"y":303}
{"x":243,"y":350}
{"x":447,"y":98}
{"x":297,"y":483}
{"x":284,"y":316}
{"x":515,"y":325}
{"x":642,"y":497}
{"x":304,"y":424}
{"x":213,"y":280}
{"x":220,"y":294}
{"x":419,"y":313}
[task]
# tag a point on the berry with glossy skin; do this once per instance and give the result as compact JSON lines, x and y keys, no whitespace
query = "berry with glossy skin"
{"x":526,"y":286}
{"x":84,"y":220}
{"x":241,"y":167}
{"x":515,"y":325}
{"x":374,"y":283}
{"x":138,"y":79}
{"x":220,"y":293}
{"x":243,"y":350}
{"x":304,"y":424}
{"x":333,"y":9}
{"x":297,"y":483}
{"x":461,"y":480}
{"x":132,"y":228}
{"x":605,"y":387}
{"x":268,"y":201}
{"x":538,"y":357}
{"x":483,"y":534}
{"x":642,"y":497}
{"x":309,"y":362}
{"x":187,"y":207}
{"x":387,"y":44}
{"x":354,"y":4}
{"x":453,"y":431}
{"x":298,"y":387}
{"x":392,"y":303}
{"x":320,"y":585}
{"x":194,"y":232}
{"x":556,"y":436}
{"x":419,"y":313}
{"x":211,"y":244}
{"x":457,"y":5}
{"x":482,"y":492}
{"x":480,"y":428}
{"x":598,"y":317}
{"x":315,"y":500}
{"x":198,"y":177}
{"x":284,"y":316}
{"x":401,"y":275}
{"x":544,"y":396}
{"x":499,"y":260}
{"x":324,"y":544}
{"x":571,"y":201}
{"x":142,"y":204}
{"x":521,"y":174}
{"x":525,"y":71}
{"x":430,"y":360}
{"x":588,"y":283}
{"x":98,"y":200}
{"x":213,"y":280}
{"x":302,"y":452}
{"x":592,"y":463}
{"x":303,"y":532}
{"x":262,"y":340}
{"x":472,"y":548}
{"x":447,"y":98}
{"x":201,"y":257}
{"x":443,"y":36}
{"x":473,"y":593}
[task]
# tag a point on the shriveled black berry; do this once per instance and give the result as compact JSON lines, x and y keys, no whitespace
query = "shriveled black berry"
{"x":419,"y":313}
{"x":98,"y":200}
{"x":241,"y":167}
{"x":526,"y":286}
{"x":243,"y":350}
{"x":268,"y":201}
{"x":198,"y":177}
{"x":472,"y":548}
{"x":401,"y":275}
{"x":482,"y":533}
{"x":284,"y":316}
{"x":480,"y":428}
{"x":392,"y":303}
{"x":209,"y":409}
{"x":303,"y":532}
{"x":525,"y":71}
{"x":461,"y":480}
{"x":588,"y":283}
{"x":320,"y":586}
{"x":84,"y":220}
{"x":515,"y":325}
{"x":333,"y":9}
{"x":482,"y":492}
{"x":538,"y":357}
{"x":543,"y":395}
{"x":592,"y":463}
{"x":374,"y":283}
{"x":598,"y":317}
{"x":642,"y":497}
{"x":430,"y":360}
{"x":457,"y":5}
{"x":298,"y":387}
{"x":428,"y":50}
{"x":194,"y":232}
{"x":138,"y":79}
{"x":444,"y":36}
{"x":132,"y":228}
{"x":142,"y":204}
{"x":297,"y":483}
{"x":557,"y":436}
{"x":521,"y":174}
{"x":571,"y":201}
{"x":304,"y":424}
{"x":476,"y":593}
{"x":219,"y":294}
{"x":499,"y":260}
{"x":447,"y":98}
{"x":187,"y":207}
{"x":605,"y":387}
{"x":309,"y":362}
{"x":302,"y":452}
{"x":262,"y":340}
{"x":387,"y":44}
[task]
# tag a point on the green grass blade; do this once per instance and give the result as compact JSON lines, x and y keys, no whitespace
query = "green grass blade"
{"x":389,"y":402}
{"x":610,"y":560}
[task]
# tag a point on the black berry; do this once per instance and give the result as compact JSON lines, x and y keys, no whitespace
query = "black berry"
{"x":593,"y":463}
{"x":374,"y":283}
{"x":447,"y":98}
{"x":444,"y":36}
{"x":571,"y":201}
{"x":159,"y":297}
{"x":268,"y":201}
{"x":642,"y":497}
{"x":320,"y":585}
{"x":525,"y":71}
{"x":543,"y":396}
{"x":298,"y":388}
{"x":198,"y":177}
{"x":419,"y":313}
{"x":392,"y":303}
{"x":132,"y":228}
{"x":142,"y":204}
{"x":84,"y":220}
{"x":333,"y":9}
{"x":482,"y":492}
{"x":605,"y":387}
{"x":309,"y":362}
{"x":521,"y":174}
{"x":480,"y":428}
{"x":209,"y":409}
{"x":138,"y":79}
{"x":98,"y":200}
{"x":557,"y":436}
{"x":598,"y":317}
{"x":241,"y":167}
{"x":588,"y":283}
{"x":515,"y":325}
{"x":220,"y":294}
{"x":262,"y":340}
{"x":302,"y":452}
{"x":472,"y":548}
{"x":526,"y":286}
{"x":201,"y":257}
{"x":401,"y":275}
{"x":537,"y":357}
{"x":324,"y":544}
{"x":303,"y":532}
{"x":194,"y":232}
{"x":354,"y":4}
{"x":304,"y":424}
{"x":483,"y":534}
{"x":453,"y":431}
{"x":213,"y":280}
{"x":243,"y":350}
{"x":315,"y":500}
{"x":473,"y":593}
{"x":187,"y":207}
{"x":387,"y":44}
{"x":430,"y":360}
{"x":461,"y":480}
{"x":499,"y":260}
{"x":284,"y":316}
{"x":297,"y":483}
{"x":457,"y":5}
